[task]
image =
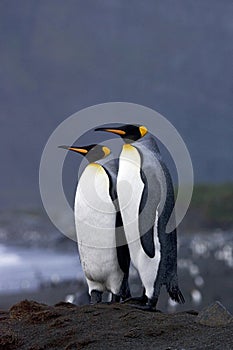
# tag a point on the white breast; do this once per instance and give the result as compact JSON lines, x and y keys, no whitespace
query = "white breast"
{"x":95,"y":227}
{"x":130,"y":188}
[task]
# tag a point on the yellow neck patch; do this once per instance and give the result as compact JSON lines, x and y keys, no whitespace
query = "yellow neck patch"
{"x":128,"y":147}
{"x":143,"y":130}
{"x":106,"y":151}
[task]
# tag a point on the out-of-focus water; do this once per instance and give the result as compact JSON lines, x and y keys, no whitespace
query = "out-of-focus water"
{"x":24,"y":269}
{"x":34,"y":256}
{"x":206,"y":268}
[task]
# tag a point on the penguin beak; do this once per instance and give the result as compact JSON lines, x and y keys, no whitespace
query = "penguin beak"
{"x":115,"y":131}
{"x":75,"y":149}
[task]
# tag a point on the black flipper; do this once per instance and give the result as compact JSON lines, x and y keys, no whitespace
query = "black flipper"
{"x":147,"y":210}
{"x":123,"y":256}
{"x":121,"y":245}
{"x":147,"y":238}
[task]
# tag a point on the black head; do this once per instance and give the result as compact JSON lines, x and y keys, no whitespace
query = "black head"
{"x":127,"y":131}
{"x":91,"y":152}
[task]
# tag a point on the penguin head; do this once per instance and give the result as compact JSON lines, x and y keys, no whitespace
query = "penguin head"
{"x":127,"y":131}
{"x":91,"y":152}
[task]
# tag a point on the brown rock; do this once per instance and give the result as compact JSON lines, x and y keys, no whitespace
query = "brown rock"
{"x":214,"y":315}
{"x":25,"y":308}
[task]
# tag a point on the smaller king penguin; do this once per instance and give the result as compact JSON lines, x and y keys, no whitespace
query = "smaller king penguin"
{"x":146,"y":199}
{"x":104,"y":258}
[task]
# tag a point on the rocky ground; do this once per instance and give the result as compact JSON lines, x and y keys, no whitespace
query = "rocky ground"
{"x":29,"y":325}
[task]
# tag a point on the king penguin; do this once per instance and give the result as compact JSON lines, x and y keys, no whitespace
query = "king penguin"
{"x":99,"y":226}
{"x":144,"y":177}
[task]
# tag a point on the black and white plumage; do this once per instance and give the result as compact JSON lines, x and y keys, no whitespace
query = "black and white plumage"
{"x":105,"y":266}
{"x":144,"y":176}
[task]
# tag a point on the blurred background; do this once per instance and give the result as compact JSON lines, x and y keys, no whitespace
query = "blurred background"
{"x":58,"y":57}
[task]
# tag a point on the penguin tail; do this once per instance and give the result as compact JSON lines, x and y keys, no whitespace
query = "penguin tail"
{"x":174,"y":291}
{"x":177,"y":296}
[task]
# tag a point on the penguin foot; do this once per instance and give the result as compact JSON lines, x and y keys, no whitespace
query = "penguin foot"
{"x":174,"y":290}
{"x":144,"y":307}
{"x":96,"y":297}
{"x":115,"y":298}
{"x":149,"y":306}
{"x":134,"y":300}
{"x":125,"y":296}
{"x":138,"y":300}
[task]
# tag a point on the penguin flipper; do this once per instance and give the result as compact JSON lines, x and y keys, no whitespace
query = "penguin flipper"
{"x":147,"y":213}
{"x":147,"y":241}
{"x":123,"y":258}
{"x":123,"y":255}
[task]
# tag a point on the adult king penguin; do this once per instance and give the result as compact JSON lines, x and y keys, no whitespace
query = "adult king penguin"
{"x":146,"y":213}
{"x":105,"y":264}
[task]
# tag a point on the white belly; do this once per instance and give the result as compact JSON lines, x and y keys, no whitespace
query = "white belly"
{"x":95,"y":226}
{"x":129,"y":189}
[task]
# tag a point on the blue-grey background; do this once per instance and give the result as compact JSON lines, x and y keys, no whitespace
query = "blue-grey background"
{"x":59,"y":56}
